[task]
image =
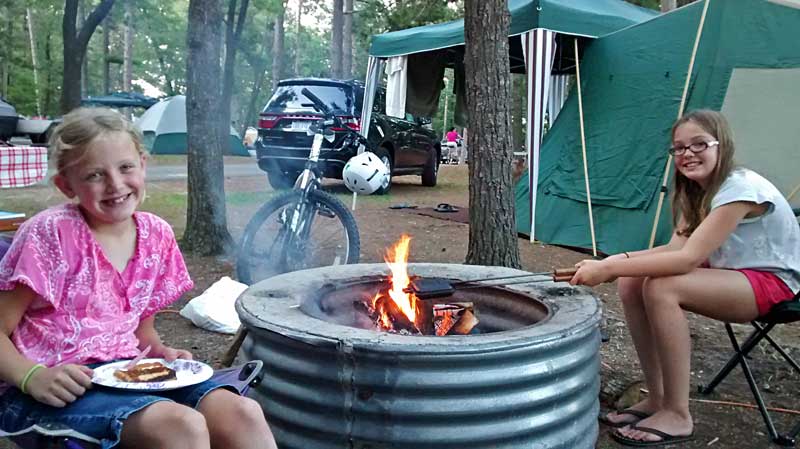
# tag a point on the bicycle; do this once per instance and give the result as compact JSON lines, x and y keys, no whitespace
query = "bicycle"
{"x":304,"y":227}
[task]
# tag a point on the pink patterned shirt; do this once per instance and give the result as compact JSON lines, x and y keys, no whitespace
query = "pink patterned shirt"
{"x":87,"y":311}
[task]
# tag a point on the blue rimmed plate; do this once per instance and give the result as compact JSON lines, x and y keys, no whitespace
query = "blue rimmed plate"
{"x":188,"y":372}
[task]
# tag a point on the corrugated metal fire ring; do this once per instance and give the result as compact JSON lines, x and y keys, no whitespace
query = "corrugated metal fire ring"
{"x":333,"y":386}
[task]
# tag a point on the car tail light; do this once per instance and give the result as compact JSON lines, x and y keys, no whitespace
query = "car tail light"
{"x":268,"y":121}
{"x":350,"y":122}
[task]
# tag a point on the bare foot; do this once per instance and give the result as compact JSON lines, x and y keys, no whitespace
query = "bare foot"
{"x":647,"y":406}
{"x":665,"y":421}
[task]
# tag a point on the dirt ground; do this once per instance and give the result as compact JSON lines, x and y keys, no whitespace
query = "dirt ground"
{"x":721,"y":420}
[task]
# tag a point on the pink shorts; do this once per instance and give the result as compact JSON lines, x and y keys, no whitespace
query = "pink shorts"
{"x":768,"y":288}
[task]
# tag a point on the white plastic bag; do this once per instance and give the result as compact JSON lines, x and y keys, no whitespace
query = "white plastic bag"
{"x":214,"y":308}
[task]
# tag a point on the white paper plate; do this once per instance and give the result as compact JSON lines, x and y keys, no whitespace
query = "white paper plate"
{"x":188,"y":372}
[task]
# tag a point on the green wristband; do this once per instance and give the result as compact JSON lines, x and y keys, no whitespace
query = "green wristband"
{"x":28,"y":376}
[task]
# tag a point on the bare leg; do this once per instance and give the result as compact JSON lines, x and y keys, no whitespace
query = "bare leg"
{"x":719,"y":294}
{"x":631,"y":294}
{"x":235,"y":422}
{"x":165,"y":425}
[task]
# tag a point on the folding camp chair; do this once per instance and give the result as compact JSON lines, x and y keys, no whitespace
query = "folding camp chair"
{"x":241,"y":377}
{"x":783,"y":313}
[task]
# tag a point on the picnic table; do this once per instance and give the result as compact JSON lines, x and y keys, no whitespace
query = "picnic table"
{"x":22,"y":166}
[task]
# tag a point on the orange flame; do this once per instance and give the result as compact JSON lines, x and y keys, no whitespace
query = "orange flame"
{"x":397,"y":259}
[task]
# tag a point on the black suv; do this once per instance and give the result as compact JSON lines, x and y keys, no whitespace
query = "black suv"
{"x":407,"y":146}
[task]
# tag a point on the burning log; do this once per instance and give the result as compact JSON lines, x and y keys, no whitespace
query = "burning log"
{"x":454,"y":318}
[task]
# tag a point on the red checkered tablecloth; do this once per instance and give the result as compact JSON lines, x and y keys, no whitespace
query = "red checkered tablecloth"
{"x":22,"y":166}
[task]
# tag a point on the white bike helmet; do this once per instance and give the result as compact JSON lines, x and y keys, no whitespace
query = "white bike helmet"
{"x":365,"y":173}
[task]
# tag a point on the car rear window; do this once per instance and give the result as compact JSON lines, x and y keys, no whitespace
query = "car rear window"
{"x":289,"y":98}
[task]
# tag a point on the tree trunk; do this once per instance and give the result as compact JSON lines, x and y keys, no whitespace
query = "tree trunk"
{"x":492,"y":230}
{"x":520,"y":96}
{"x":347,"y":40}
{"x":127,"y":52}
{"x":233,"y":33}
{"x":336,"y":39}
{"x":34,"y":61}
{"x":49,"y":107}
{"x":668,"y":5}
{"x":75,"y":43}
{"x":206,"y":223}
{"x":259,"y":72}
{"x":278,"y":47}
{"x":298,"y":41}
{"x":106,"y":54}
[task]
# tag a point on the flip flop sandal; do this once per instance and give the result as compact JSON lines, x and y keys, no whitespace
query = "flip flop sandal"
{"x":402,"y":206}
{"x":444,"y":207}
{"x":639,"y":415}
{"x":665,"y":438}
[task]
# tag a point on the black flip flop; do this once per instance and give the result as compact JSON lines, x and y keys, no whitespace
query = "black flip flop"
{"x":444,"y":207}
{"x":639,"y":415}
{"x":665,"y":438}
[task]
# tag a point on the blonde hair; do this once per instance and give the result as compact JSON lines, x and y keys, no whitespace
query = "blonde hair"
{"x":79,"y":128}
{"x":689,"y":200}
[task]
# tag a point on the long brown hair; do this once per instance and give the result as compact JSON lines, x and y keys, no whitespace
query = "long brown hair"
{"x":690,"y":201}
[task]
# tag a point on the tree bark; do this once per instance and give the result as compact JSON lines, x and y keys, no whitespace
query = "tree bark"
{"x":259,"y":74}
{"x":106,"y":54}
{"x":75,"y":43}
{"x":492,"y":231}
{"x":233,"y":33}
{"x":298,"y":41}
{"x":336,"y":38}
{"x":347,"y":40}
{"x":520,"y":97}
{"x":206,"y":223}
{"x":34,"y":60}
{"x":127,"y":52}
{"x":668,"y":5}
{"x":278,"y":47}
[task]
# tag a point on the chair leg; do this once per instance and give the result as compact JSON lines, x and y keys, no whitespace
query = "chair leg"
{"x":782,"y":440}
{"x":783,"y":353}
{"x":752,"y":340}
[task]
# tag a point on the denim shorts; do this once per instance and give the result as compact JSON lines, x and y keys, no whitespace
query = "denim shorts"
{"x":97,"y":416}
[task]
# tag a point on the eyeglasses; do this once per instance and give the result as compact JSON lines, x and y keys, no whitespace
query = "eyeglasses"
{"x":694,"y":147}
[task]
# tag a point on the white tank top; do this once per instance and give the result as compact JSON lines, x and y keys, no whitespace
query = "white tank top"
{"x":769,"y":242}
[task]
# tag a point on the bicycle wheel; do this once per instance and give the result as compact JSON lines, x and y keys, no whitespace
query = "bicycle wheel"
{"x":287,"y":235}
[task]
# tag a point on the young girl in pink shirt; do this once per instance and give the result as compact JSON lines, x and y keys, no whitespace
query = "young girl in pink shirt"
{"x":80,"y":286}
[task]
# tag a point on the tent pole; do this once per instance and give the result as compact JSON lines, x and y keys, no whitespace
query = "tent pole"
{"x":371,"y":84}
{"x":665,"y":177}
{"x":583,"y":147}
{"x":793,"y":193}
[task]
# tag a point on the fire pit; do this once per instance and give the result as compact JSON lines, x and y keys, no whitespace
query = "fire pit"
{"x":526,"y":376}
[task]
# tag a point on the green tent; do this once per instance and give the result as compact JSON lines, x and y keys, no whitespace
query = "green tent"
{"x":164,"y":128}
{"x":590,"y":18}
{"x":747,"y":65}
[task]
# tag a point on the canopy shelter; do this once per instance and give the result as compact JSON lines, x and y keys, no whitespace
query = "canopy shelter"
{"x":541,"y":37}
{"x":120,"y":100}
{"x":635,"y":84}
{"x":164,"y":129}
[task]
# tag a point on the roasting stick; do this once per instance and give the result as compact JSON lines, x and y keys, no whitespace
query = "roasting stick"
{"x":426,"y":288}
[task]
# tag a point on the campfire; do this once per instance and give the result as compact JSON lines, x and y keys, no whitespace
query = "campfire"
{"x":399,"y":310}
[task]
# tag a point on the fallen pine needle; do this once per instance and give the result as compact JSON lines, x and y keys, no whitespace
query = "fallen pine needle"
{"x":737,"y":404}
{"x":713,"y":441}
{"x":746,"y":405}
